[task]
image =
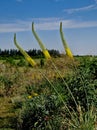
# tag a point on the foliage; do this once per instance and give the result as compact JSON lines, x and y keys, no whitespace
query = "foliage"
{"x":12,"y":53}
{"x":22,"y":62}
{"x":36,"y":105}
{"x":11,"y":61}
{"x":41,"y":112}
{"x":83,"y":83}
{"x":83,"y":88}
{"x":82,"y":120}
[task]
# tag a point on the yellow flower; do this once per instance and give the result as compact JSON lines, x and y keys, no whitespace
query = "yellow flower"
{"x":31,"y":61}
{"x":29,"y":96}
{"x":34,"y":94}
{"x":68,"y":52}
{"x":27,"y":57}
{"x":46,"y":53}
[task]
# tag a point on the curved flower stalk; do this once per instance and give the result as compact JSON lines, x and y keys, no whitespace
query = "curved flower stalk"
{"x":67,"y":49}
{"x":48,"y":56}
{"x":44,"y":50}
{"x":27,"y":57}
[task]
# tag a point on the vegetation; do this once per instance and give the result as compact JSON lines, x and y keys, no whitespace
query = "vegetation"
{"x":48,"y":94}
{"x":33,"y":53}
{"x":28,"y":101}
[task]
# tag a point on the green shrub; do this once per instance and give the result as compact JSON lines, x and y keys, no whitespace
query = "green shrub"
{"x":41,"y":112}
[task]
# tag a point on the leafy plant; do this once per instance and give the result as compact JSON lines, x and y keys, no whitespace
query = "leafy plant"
{"x":40,"y":113}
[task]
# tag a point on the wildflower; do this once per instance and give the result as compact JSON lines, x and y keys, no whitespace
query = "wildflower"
{"x":67,"y":49}
{"x":68,"y":52}
{"x":29,"y":96}
{"x":34,"y":94}
{"x":30,"y":60}
{"x":46,"y":53}
{"x":44,"y":50}
{"x":27,"y":57}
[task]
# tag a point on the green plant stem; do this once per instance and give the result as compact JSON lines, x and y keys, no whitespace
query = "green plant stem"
{"x":62,"y":37}
{"x":56,"y":69}
{"x":37,"y":38}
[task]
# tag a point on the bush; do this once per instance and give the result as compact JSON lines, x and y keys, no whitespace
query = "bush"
{"x":41,"y":112}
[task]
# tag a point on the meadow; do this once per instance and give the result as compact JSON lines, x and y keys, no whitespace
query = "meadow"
{"x":29,"y":100}
{"x":48,"y":93}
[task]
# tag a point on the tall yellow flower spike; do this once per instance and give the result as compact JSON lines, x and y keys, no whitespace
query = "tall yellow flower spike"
{"x":67,"y":49}
{"x":27,"y":57}
{"x":44,"y":50}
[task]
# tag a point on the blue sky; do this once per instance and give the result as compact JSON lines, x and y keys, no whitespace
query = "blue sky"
{"x":79,"y":18}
